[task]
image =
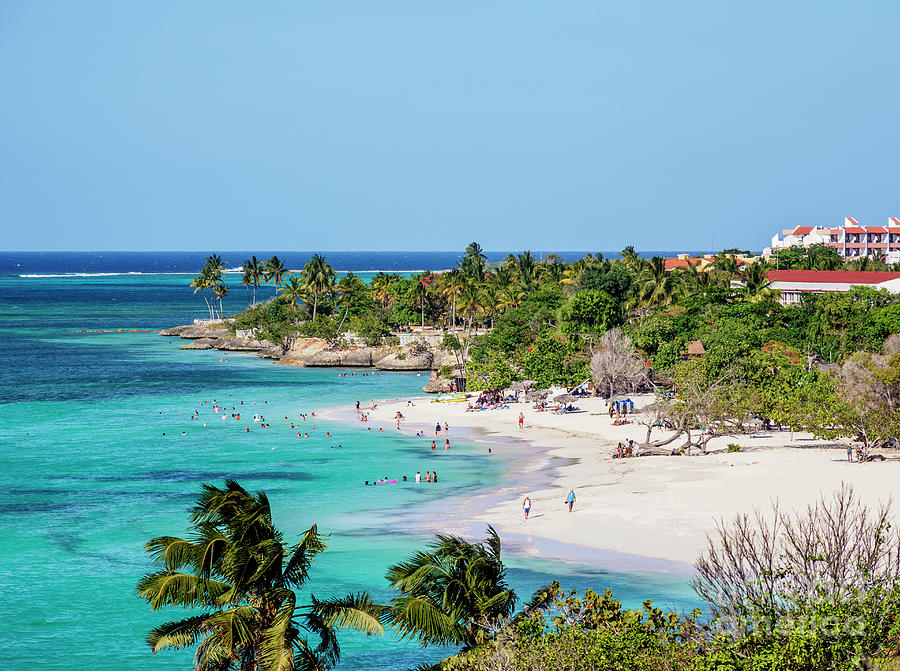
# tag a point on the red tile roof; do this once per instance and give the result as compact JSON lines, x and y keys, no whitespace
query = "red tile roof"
{"x":855,"y":229}
{"x":802,"y":230}
{"x":672,"y":264}
{"x":876,"y":229}
{"x":852,"y":221}
{"x":832,"y":276}
{"x":893,"y":221}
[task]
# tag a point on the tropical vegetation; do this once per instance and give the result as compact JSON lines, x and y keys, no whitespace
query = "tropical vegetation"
{"x":809,"y":591}
{"x":816,"y":365}
{"x":239,"y":578}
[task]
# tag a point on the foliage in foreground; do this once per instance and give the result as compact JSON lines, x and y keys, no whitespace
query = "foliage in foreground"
{"x":455,"y":593}
{"x":239,"y":577}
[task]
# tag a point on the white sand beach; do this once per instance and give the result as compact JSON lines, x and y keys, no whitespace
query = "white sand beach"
{"x":654,"y":506}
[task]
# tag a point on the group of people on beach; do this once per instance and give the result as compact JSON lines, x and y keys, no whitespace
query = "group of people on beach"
{"x":624,"y":450}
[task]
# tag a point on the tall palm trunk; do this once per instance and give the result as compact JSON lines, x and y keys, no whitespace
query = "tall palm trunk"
{"x":423,"y":315}
{"x":315,"y":303}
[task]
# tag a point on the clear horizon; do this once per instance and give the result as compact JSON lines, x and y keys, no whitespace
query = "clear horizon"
{"x":130,"y":126}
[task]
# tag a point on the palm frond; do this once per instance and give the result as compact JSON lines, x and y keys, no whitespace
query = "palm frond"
{"x":542,"y":597}
{"x":492,"y":542}
{"x":277,"y":649}
{"x":422,"y":620}
{"x":421,"y":578}
{"x":180,"y":634}
{"x":296,"y":570}
{"x":211,"y":656}
{"x":172,"y":551}
{"x":180,"y":589}
{"x":328,"y":651}
{"x":234,"y":629}
{"x":307,"y":659}
{"x":356,"y":611}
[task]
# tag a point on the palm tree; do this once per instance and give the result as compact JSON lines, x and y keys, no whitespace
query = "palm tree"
{"x":631,"y":259}
{"x":526,"y":268}
{"x":728,"y":265}
{"x":757,"y":285}
{"x":215,"y":264}
{"x":256,"y":273}
{"x":381,"y":285}
{"x":220,"y":290}
{"x":419,"y":293}
{"x":293,"y":288}
{"x":239,"y":577}
{"x":200,"y":284}
{"x":275,"y":271}
{"x":211,"y":277}
{"x":502,"y":277}
{"x":350,"y":289}
{"x":319,"y":278}
{"x":247,"y":280}
{"x":510,"y":296}
{"x":554,"y":272}
{"x":473,"y":262}
{"x":454,"y":282}
{"x":455,"y":593}
{"x":657,"y":286}
{"x":471,"y":302}
{"x":490,"y":300}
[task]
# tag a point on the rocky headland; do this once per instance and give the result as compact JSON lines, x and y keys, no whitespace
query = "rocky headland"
{"x":422,"y":353}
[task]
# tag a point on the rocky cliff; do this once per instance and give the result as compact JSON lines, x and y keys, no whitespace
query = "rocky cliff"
{"x":416,"y":356}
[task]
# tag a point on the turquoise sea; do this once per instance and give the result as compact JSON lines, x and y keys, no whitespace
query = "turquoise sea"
{"x":88,"y":474}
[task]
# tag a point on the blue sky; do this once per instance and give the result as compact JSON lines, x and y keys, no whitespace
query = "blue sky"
{"x":172,"y":125}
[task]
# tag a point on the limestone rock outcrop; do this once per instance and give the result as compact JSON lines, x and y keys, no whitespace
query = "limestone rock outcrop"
{"x":406,"y":360}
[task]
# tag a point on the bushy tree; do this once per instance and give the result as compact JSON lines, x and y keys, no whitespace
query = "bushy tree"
{"x":552,"y":361}
{"x":589,"y":311}
{"x":616,"y":365}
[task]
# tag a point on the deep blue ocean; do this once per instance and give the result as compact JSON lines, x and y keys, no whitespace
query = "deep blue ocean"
{"x":190,"y":262}
{"x":99,"y":455}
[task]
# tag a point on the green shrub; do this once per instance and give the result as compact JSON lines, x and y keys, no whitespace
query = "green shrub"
{"x":734,"y":447}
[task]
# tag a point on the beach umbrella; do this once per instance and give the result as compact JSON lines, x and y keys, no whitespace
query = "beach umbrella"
{"x":540,"y":393}
{"x":565,"y":398}
{"x":522,"y":385}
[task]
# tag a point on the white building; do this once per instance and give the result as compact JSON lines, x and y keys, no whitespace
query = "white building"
{"x":850,"y":240}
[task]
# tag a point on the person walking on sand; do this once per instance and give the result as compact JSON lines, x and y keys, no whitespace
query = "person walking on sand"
{"x":526,"y":506}
{"x":446,"y":429}
{"x":570,"y":499}
{"x":437,"y":429}
{"x":522,"y":425}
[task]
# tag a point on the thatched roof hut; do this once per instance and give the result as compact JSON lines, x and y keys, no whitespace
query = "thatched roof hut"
{"x":696,"y":348}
